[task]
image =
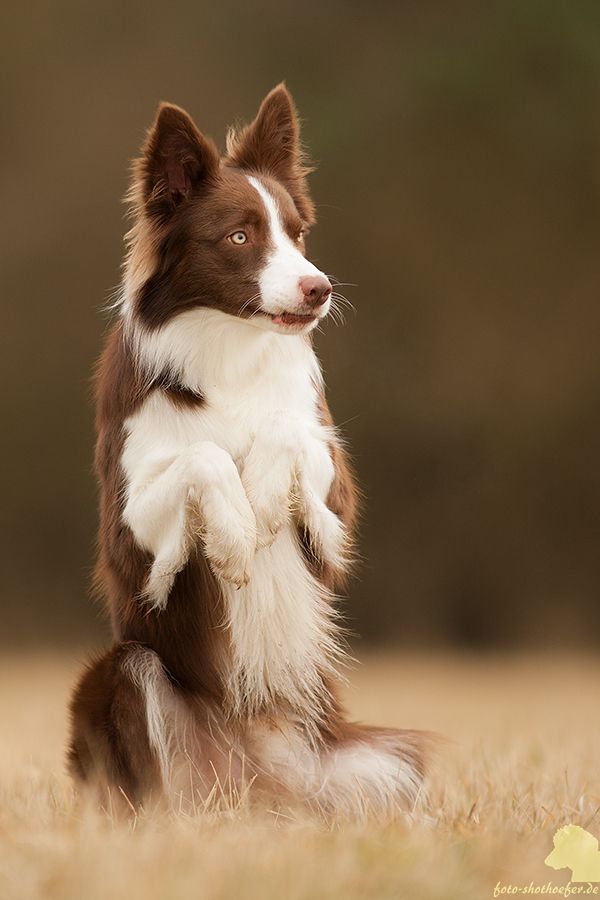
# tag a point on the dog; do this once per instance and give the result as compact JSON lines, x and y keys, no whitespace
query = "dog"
{"x":227,"y":503}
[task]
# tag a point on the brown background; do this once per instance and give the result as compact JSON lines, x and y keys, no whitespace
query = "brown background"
{"x":459,"y":195}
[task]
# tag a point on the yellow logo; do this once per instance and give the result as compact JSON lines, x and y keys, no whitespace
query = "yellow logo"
{"x":576,"y":849}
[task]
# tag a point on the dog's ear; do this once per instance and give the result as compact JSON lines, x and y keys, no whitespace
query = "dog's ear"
{"x":177,"y":158}
{"x":271,"y":144}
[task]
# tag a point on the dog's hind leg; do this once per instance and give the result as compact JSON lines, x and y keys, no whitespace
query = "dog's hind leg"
{"x":119,"y":737}
{"x":349,"y":772}
{"x":372,"y":772}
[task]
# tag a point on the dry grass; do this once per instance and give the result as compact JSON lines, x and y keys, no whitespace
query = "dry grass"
{"x":523,"y":760}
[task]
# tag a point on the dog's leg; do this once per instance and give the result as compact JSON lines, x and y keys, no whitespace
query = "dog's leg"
{"x":352,"y":771}
{"x":119,"y":737}
{"x":289,"y":471}
{"x":372,"y":771}
{"x":270,"y":473}
{"x":199,"y":495}
{"x":326,"y":532}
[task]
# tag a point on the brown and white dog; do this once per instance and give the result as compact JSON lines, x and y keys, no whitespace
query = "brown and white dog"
{"x":226,"y":502}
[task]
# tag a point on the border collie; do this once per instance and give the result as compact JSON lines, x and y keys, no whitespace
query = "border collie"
{"x":227,"y":505}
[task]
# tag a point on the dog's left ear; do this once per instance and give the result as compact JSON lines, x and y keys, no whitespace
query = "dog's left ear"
{"x":177,"y":161}
{"x":271,"y":144}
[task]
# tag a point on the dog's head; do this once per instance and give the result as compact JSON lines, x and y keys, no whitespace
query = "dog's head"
{"x":227,"y":234}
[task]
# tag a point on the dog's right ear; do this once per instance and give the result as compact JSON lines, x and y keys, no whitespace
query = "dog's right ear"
{"x":177,"y":160}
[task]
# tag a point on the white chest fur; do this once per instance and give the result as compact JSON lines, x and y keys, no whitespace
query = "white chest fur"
{"x":260,"y":410}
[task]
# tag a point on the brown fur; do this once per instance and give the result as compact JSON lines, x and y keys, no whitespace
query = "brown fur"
{"x":276,"y":126}
{"x":110,"y":743}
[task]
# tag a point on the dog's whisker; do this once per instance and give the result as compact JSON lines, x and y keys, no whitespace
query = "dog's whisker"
{"x":248,"y":302}
{"x":337,"y":302}
{"x":337,"y":315}
{"x":337,"y":283}
{"x":339,"y":298}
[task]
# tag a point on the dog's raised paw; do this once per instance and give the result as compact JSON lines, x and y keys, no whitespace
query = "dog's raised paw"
{"x":230,"y":543}
{"x":270,"y":474}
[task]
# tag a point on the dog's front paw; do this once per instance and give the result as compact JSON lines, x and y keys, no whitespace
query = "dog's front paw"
{"x":230,"y":548}
{"x":272,"y":508}
{"x":221,"y":515}
{"x":160,"y":581}
{"x":328,"y":537}
{"x":270,"y":474}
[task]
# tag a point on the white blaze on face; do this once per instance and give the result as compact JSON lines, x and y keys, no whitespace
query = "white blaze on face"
{"x":279,"y":281}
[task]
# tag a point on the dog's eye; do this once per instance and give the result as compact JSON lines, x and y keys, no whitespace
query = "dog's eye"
{"x":238,"y":237}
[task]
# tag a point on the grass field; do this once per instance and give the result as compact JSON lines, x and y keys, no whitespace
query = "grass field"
{"x":522,"y":759}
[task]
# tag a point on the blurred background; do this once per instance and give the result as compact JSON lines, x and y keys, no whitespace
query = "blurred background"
{"x":458,"y":189}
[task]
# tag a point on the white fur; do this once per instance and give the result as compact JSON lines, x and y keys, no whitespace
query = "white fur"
{"x":355,"y":780}
{"x":359,"y":779}
{"x":281,"y":633}
{"x":145,"y":670}
{"x":289,"y":468}
{"x":219,"y":354}
{"x":184,"y":493}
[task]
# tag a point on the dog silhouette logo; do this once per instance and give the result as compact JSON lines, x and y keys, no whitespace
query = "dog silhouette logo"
{"x":576,"y":849}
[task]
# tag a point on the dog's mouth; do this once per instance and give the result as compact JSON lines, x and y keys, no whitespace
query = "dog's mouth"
{"x":293,"y":320}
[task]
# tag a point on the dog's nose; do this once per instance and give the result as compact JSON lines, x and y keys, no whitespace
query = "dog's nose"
{"x":316,"y":289}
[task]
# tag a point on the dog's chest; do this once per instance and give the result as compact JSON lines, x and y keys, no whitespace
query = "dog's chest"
{"x":244,"y":375}
{"x":231,"y":413}
{"x":231,"y":417}
{"x":279,"y":623}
